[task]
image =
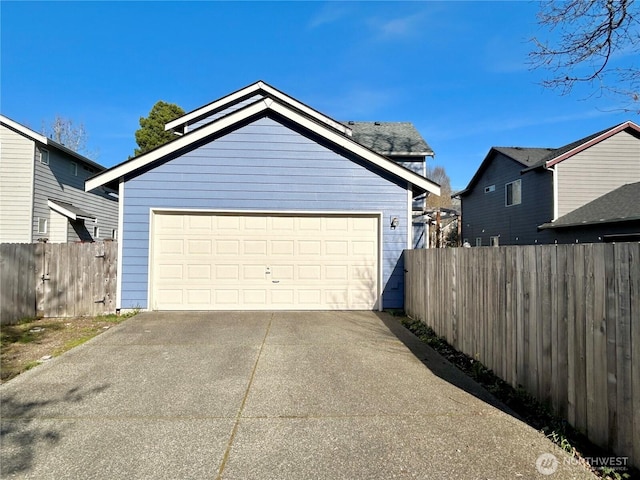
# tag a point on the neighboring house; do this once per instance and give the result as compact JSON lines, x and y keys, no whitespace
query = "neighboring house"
{"x":262,"y":203}
{"x":614,"y":217}
{"x":42,"y":191}
{"x":518,"y":194}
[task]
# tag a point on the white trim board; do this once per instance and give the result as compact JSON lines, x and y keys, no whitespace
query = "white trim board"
{"x":344,"y":213}
{"x":245,"y":92}
{"x":260,"y":107}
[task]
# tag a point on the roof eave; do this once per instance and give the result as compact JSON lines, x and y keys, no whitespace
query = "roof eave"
{"x":583,"y":146}
{"x":254,"y":109}
{"x":546,"y":226}
{"x":224,"y":102}
{"x":27,"y":132}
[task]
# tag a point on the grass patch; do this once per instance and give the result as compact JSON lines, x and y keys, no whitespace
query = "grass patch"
{"x":535,"y":413}
{"x":25,"y":344}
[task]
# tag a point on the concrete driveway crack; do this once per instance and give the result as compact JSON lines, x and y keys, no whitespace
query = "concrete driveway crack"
{"x":227,"y":452}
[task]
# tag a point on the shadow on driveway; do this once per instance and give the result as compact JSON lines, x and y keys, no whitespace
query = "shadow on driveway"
{"x":441,"y":367}
{"x":21,"y":435}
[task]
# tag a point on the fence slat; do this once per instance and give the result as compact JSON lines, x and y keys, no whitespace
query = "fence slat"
{"x":560,"y":320}
{"x":48,"y":280}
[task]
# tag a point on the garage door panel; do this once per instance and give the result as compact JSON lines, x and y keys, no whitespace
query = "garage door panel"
{"x":254,"y":247}
{"x":254,"y":272}
{"x":227,"y":296}
{"x":227,"y":272}
{"x":227,"y":247}
{"x":198,"y":223}
{"x":309,"y":247}
{"x":282,"y":247}
{"x":199,"y":297}
{"x":255,"y":261}
{"x":198,"y":272}
{"x":171,"y":246}
{"x":254,"y":297}
{"x":199,"y":247}
{"x":170,"y":272}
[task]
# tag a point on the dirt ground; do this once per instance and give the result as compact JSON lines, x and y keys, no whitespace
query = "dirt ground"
{"x":32,"y":342}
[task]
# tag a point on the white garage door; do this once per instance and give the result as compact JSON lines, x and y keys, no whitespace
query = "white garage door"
{"x":205,"y":261}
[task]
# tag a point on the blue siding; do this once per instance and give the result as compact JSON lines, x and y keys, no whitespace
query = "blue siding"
{"x":262,"y":166}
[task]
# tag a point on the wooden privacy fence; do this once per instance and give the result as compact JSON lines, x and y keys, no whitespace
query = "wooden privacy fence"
{"x":57,"y":279}
{"x":562,"y":321}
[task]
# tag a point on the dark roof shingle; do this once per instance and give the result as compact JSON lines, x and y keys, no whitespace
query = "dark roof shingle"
{"x":390,"y":138}
{"x":619,"y":205}
{"x":525,"y":155}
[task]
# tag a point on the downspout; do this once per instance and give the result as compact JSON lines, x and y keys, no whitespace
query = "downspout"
{"x":554,"y":183}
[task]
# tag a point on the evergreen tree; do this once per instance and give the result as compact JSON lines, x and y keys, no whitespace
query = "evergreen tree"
{"x":151,"y":133}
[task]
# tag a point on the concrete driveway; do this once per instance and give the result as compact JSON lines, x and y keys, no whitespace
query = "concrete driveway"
{"x":262,"y":395}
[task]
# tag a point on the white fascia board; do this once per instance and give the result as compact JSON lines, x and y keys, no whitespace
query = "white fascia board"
{"x":61,"y":210}
{"x":253,"y":88}
{"x":27,"y":132}
{"x":246,"y":112}
{"x":363,"y":152}
{"x":168,"y":148}
{"x":229,"y":99}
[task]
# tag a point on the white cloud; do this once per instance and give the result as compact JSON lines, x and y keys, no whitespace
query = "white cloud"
{"x":397,"y":28}
{"x":329,"y":13}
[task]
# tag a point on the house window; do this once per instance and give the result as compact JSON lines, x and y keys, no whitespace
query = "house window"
{"x":489,"y":189}
{"x":478,"y":241}
{"x":42,"y":225}
{"x":494,"y":241}
{"x":44,"y":156}
{"x":96,"y":232}
{"x":513,"y":193}
{"x":74,"y":169}
{"x":114,"y":234}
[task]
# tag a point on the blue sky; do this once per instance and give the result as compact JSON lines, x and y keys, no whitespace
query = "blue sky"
{"x":457,"y":70}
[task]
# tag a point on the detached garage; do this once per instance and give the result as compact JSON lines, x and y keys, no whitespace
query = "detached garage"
{"x":262,"y":203}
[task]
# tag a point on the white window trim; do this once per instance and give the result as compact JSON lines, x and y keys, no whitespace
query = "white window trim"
{"x":478,"y":241}
{"x":96,"y":232}
{"x":490,"y":188}
{"x":74,"y":169}
{"x":114,"y":234}
{"x":44,"y":153}
{"x":506,"y":188}
{"x":46,"y":225}
{"x":496,"y":239}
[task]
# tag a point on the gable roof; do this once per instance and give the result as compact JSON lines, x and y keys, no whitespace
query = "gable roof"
{"x":264,"y":107}
{"x":533,"y":158}
{"x":525,"y":156}
{"x":390,"y":138}
{"x":259,"y":87}
{"x":563,"y":153}
{"x":35,"y":136}
{"x":619,"y":205}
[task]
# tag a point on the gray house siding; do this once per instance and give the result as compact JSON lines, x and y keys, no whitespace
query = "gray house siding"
{"x":598,"y":170}
{"x":16,"y":186}
{"x":56,"y":181}
{"x":485,"y":215}
{"x":596,"y":233}
{"x":263,"y":166}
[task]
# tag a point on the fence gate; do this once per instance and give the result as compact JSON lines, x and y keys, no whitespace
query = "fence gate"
{"x":57,"y":279}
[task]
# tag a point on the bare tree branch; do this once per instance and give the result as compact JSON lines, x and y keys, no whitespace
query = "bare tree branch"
{"x":74,"y":137}
{"x":596,"y":42}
